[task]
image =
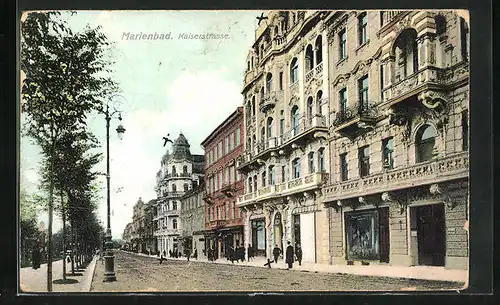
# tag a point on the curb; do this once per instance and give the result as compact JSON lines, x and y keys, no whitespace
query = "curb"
{"x":87,"y":282}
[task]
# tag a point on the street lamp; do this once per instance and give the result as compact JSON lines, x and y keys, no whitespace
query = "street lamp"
{"x":109,"y":259}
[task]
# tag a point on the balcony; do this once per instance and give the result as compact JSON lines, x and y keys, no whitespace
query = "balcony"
{"x":356,"y":117}
{"x":309,"y":182}
{"x":268,"y":102}
{"x":216,"y":224}
{"x":442,"y":169}
{"x":424,"y":79}
{"x":166,"y":195}
{"x":315,"y":123}
{"x":228,"y":189}
{"x":314,"y":71}
{"x":177,"y":175}
{"x":166,"y":231}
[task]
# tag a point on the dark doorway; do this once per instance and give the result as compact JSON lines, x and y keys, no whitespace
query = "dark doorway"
{"x":384,"y":234}
{"x":431,"y":235}
{"x":296,"y":229}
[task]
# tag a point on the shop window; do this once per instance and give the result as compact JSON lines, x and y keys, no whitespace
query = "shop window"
{"x":362,"y":235}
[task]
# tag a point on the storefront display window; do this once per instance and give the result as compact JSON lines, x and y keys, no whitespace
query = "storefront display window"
{"x":362,"y":235}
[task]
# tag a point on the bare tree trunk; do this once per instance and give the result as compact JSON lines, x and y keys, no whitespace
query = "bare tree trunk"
{"x":64,"y":235}
{"x":72,"y":249}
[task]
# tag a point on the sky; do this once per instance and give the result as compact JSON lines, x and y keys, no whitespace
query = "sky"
{"x":168,"y":86}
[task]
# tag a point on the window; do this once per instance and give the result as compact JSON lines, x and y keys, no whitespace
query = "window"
{"x":174,"y":188}
{"x":238,"y":137}
{"x":406,"y":54}
{"x":342,"y":44}
{"x":226,"y":211}
{"x":425,"y":141}
{"x":263,"y":133}
{"x":250,"y":184}
{"x":226,"y":140}
{"x":440,"y":24}
{"x":309,"y":58}
{"x":464,"y":38}
{"x":283,"y":172}
{"x":310,"y":159}
{"x":343,"y":100}
{"x":262,"y":95}
{"x":319,"y":97}
{"x":217,"y":213}
{"x":220,"y":150}
{"x":294,"y":71}
{"x":343,"y":167}
{"x":321,"y":159}
{"x":186,"y":187}
{"x":296,"y":168}
{"x":238,"y":175}
{"x":263,"y":179}
{"x":362,"y":28}
{"x":272,"y":180}
{"x":309,"y":107}
{"x":319,"y":51}
{"x":234,"y":209}
{"x":220,"y":180}
{"x":255,"y":182}
{"x":282,"y":123}
{"x":295,"y":120}
{"x":382,"y":81}
{"x":364,"y":161}
{"x":185,"y":169}
{"x":269,"y":82}
{"x":363,"y":92}
{"x":173,"y":170}
{"x":269,"y":127}
{"x":174,"y":205}
{"x":253,"y":105}
{"x":281,"y":80}
{"x":387,"y":153}
{"x":465,"y":129}
{"x":231,"y":141}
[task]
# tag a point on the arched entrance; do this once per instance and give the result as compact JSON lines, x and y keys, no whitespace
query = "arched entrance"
{"x":278,"y":230}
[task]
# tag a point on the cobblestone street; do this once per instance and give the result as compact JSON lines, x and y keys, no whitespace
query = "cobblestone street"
{"x":138,"y":273}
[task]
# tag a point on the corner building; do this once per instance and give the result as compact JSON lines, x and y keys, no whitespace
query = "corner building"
{"x":223,"y":219}
{"x":398,"y":139}
{"x":286,"y":91}
{"x":180,"y":172}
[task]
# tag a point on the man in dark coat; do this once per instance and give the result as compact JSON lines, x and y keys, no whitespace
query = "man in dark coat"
{"x":289,"y":256}
{"x":276,"y":253}
{"x":298,"y":254}
{"x":195,"y":254}
{"x":35,"y":257}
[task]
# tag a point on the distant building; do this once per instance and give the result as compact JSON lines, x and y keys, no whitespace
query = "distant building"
{"x":180,"y":172}
{"x":223,"y":150}
{"x":193,"y":221}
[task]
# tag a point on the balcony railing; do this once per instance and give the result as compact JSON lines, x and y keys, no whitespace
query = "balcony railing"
{"x":301,"y":184}
{"x":388,"y":16}
{"x":442,"y":169}
{"x":318,"y":69}
{"x":166,"y":231}
{"x":413,"y":84}
{"x":360,"y":110}
{"x":268,"y":101}
{"x":177,"y":175}
{"x":171,"y":194}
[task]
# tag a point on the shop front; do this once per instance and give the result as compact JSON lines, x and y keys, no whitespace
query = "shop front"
{"x":367,"y":235}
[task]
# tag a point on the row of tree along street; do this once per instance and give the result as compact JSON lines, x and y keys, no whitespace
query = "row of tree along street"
{"x":65,"y":79}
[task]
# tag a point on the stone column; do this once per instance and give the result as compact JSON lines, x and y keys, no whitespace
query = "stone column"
{"x":398,"y":231}
{"x":267,"y":214}
{"x":326,"y":76}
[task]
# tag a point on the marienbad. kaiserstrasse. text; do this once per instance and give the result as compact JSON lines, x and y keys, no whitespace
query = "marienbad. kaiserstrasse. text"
{"x":168,"y":36}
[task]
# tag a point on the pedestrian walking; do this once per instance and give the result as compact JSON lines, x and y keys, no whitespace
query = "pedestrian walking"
{"x":250,"y":252}
{"x":276,"y":253}
{"x":188,"y":254}
{"x":195,"y":254}
{"x":289,"y":256}
{"x":298,"y":253}
{"x":241,"y":253}
{"x":35,"y":257}
{"x":161,"y":259}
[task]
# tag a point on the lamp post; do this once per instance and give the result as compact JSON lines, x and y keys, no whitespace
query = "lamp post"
{"x":109,"y":259}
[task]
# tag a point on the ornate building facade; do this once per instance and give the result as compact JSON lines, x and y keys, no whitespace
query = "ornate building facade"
{"x":180,"y":172}
{"x":398,"y":139}
{"x":193,"y":221}
{"x":286,"y":91}
{"x":223,"y":149}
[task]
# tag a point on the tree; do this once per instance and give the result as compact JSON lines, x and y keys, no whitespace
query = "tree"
{"x":28,"y":228}
{"x":65,"y":79}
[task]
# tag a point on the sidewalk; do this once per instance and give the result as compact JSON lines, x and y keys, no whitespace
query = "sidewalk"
{"x":31,"y":280}
{"x":415,"y":272}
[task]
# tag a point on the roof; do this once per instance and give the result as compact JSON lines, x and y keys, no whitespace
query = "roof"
{"x":233,"y":116}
